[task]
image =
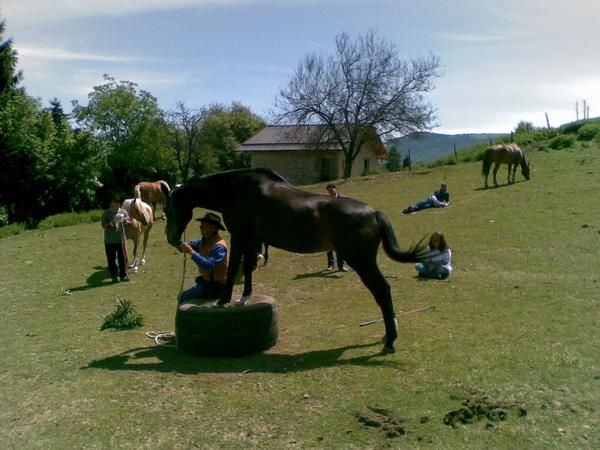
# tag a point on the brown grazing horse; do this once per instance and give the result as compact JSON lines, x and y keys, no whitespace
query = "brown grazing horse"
{"x":142,"y":221}
{"x":153,"y":192}
{"x":258,"y":205}
{"x":510,"y":154}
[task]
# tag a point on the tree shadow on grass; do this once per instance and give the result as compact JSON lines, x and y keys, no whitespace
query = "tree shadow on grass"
{"x":162,"y":358}
{"x":97,"y":279}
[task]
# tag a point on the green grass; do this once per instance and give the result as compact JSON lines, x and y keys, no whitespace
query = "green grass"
{"x":517,"y":323}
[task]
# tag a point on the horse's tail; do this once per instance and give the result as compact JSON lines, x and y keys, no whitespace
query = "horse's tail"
{"x":487,"y":162}
{"x":137,"y":193}
{"x":414,"y":254}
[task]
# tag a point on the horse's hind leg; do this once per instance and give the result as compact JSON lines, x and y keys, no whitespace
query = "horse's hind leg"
{"x":374,"y":280}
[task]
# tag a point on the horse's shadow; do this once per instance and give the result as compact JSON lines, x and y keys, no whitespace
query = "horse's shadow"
{"x":97,"y":279}
{"x":163,"y":358}
{"x":320,"y":274}
{"x":499,"y":186}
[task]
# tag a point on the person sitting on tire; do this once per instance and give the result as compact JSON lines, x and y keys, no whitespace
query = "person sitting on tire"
{"x":210,"y":254}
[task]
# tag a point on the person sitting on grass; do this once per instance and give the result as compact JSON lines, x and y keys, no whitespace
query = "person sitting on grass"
{"x":438,"y":259}
{"x":439,"y":199}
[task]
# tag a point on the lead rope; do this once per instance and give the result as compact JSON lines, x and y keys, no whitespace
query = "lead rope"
{"x":157,"y":336}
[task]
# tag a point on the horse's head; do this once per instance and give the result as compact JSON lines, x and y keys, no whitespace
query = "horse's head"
{"x":178,"y":216}
{"x":525,"y":170}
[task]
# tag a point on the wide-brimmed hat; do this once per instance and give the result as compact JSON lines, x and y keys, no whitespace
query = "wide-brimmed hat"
{"x":212,"y":218}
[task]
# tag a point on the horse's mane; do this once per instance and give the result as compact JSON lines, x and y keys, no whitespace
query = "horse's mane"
{"x":274,"y":176}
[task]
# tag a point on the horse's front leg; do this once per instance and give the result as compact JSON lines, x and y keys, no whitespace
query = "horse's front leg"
{"x":249,"y":266}
{"x":133,"y":264}
{"x":510,"y":180}
{"x":235,"y":258}
{"x":146,"y":235}
{"x":496,"y":167}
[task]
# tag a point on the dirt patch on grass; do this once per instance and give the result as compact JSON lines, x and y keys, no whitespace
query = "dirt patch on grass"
{"x":483,"y":408}
{"x":384,"y":420}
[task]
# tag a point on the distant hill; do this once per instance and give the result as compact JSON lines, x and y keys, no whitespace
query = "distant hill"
{"x":425,"y":147}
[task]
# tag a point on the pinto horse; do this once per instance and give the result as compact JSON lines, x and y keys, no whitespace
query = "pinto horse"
{"x":510,"y":154}
{"x":153,"y":192}
{"x":258,"y":205}
{"x":142,"y":221}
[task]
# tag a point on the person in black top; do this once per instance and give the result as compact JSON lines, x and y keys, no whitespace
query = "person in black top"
{"x":439,"y":199}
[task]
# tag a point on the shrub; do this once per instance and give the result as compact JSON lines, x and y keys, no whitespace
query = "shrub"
{"x":124,"y":317}
{"x":12,"y":229}
{"x":588,"y":132}
{"x":562,"y":141}
{"x":67,"y":219}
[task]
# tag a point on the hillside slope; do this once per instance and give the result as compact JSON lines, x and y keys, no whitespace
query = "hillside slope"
{"x":425,"y":146}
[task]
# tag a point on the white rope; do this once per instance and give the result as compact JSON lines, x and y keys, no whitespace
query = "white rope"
{"x":164,"y":335}
{"x":157,"y":336}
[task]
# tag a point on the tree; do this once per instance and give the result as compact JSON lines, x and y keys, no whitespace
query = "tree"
{"x":9,"y":76}
{"x":363,"y":86}
{"x":184,"y":130}
{"x":205,"y":140}
{"x":131,"y":127}
{"x":225,"y":128}
{"x":394,"y":162}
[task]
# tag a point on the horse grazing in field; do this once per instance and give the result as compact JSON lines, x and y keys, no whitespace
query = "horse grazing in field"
{"x":153,"y":192}
{"x":142,"y":221}
{"x":510,"y":154}
{"x":258,"y":205}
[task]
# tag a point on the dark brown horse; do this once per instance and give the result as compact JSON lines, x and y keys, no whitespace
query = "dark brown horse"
{"x":153,"y":192}
{"x":510,"y":154}
{"x":260,"y":206}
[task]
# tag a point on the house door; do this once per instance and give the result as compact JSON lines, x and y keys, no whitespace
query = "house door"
{"x":326,"y":169}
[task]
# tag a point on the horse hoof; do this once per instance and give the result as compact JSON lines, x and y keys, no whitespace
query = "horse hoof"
{"x":243,"y":300}
{"x":386,"y":350}
{"x":221,"y":302}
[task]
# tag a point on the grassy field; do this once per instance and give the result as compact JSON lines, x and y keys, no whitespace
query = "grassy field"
{"x":514,"y":331}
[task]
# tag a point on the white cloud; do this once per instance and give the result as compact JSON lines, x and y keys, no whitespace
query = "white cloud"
{"x":58,"y":54}
{"x":20,"y":11}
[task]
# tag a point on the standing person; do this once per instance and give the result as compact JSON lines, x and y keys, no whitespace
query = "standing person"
{"x":113,"y":222}
{"x":332,"y":189}
{"x":439,"y":199}
{"x":210,"y":255}
{"x":438,"y":259}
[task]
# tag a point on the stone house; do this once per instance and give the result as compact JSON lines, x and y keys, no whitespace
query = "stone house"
{"x":303,"y":154}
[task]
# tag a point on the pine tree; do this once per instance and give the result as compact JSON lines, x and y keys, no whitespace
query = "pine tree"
{"x":9,"y":76}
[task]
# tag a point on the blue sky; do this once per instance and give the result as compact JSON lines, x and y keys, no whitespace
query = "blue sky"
{"x":503,"y":61}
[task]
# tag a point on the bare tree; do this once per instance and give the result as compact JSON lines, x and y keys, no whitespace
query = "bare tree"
{"x":185,"y":125}
{"x":362,"y":87}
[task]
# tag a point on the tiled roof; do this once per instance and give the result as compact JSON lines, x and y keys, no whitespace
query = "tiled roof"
{"x":295,"y":138}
